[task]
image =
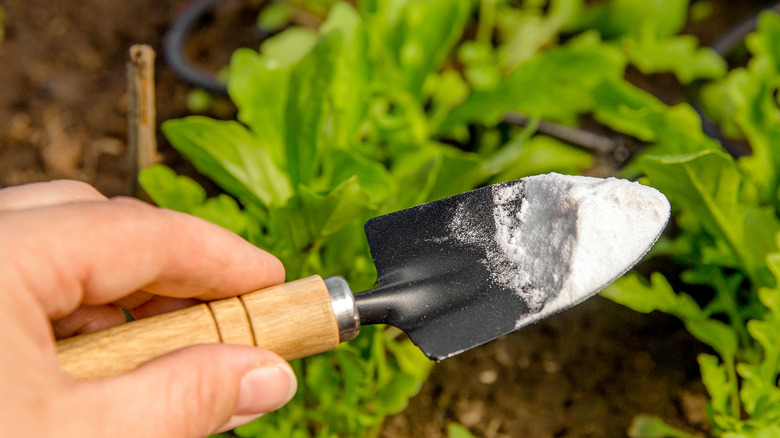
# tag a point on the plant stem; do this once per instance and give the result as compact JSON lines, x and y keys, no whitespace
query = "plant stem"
{"x":487,"y":20}
{"x":736,"y":410}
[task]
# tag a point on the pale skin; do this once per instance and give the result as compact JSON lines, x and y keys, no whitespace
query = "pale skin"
{"x":71,"y":260}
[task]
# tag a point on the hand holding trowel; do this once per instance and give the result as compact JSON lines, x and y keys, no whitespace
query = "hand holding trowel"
{"x":453,"y":274}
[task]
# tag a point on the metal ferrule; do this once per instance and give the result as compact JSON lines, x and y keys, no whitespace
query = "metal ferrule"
{"x":344,"y":308}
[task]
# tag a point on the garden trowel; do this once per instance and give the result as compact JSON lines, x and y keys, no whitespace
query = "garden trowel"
{"x":453,"y":274}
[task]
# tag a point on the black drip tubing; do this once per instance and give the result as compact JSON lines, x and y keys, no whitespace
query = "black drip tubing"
{"x":173,"y":48}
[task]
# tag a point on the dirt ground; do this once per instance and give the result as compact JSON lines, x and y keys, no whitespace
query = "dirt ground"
{"x":584,"y":373}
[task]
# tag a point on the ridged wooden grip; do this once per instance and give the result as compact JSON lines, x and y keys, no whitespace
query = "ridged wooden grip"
{"x":293,"y":320}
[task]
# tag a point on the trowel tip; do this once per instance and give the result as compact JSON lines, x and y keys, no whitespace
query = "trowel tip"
{"x":603,"y":227}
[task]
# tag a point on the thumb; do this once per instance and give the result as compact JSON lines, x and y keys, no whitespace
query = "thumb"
{"x":193,"y":392}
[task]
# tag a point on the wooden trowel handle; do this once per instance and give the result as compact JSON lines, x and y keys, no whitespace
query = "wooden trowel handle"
{"x":294,"y":320}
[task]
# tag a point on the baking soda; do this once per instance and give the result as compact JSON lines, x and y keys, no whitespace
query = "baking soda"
{"x":559,"y":239}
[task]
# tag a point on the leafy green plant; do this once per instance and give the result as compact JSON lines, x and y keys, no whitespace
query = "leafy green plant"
{"x":727,"y":224}
{"x":335,"y":127}
{"x":399,"y":102}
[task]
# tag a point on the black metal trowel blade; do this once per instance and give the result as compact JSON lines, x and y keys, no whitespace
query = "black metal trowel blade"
{"x":441,"y":277}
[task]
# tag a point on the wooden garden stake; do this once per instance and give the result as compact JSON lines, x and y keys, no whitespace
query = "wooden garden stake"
{"x":141,"y":114}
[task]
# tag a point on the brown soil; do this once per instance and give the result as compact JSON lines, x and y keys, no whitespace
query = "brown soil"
{"x":583,"y":373}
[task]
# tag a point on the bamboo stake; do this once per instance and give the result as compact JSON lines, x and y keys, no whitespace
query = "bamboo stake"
{"x":141,"y":115}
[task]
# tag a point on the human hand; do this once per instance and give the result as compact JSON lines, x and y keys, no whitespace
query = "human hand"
{"x":75,"y":257}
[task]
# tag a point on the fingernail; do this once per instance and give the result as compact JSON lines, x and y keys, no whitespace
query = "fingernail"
{"x":265,"y":389}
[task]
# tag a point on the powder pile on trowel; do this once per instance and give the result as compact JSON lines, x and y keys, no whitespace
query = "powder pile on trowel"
{"x":551,"y":235}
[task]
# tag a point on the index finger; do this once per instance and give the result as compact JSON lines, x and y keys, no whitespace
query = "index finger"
{"x":98,"y":252}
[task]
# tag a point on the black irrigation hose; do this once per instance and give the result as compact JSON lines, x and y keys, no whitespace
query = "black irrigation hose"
{"x":173,"y":48}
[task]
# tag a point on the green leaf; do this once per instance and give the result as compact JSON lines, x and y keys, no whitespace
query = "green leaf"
{"x":394,"y":396}
{"x":714,"y":377}
{"x":169,"y":190}
{"x":455,"y":430}
{"x":708,"y":184}
{"x":416,"y":173}
{"x":430,"y":30}
{"x":374,"y":179}
{"x":541,"y":154}
{"x":767,"y":333}
{"x":718,"y":107}
{"x":290,"y":46}
{"x":661,"y":18}
{"x":716,"y":334}
{"x":411,"y":359}
{"x":309,"y":88}
{"x":223,"y":211}
{"x":258,"y":87}
{"x":482,"y":70}
{"x":557,"y":84}
{"x":524,"y":32}
{"x":767,"y":431}
{"x":674,"y":130}
{"x":459,"y":172}
{"x":275,"y":16}
{"x":631,"y":292}
{"x":232,"y":157}
{"x":183,"y":194}
{"x":629,"y":109}
{"x":433,"y":172}
{"x":648,"y":426}
{"x":323,"y":378}
{"x":411,"y":39}
{"x":764,"y":43}
{"x":328,"y":213}
{"x":770,"y":297}
{"x":353,"y":74}
{"x":514,"y":150}
{"x":448,"y":90}
{"x":680,"y":55}
{"x":399,"y":121}
{"x":346,"y":253}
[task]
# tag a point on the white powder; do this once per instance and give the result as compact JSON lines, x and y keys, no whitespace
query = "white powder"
{"x":560,"y":239}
